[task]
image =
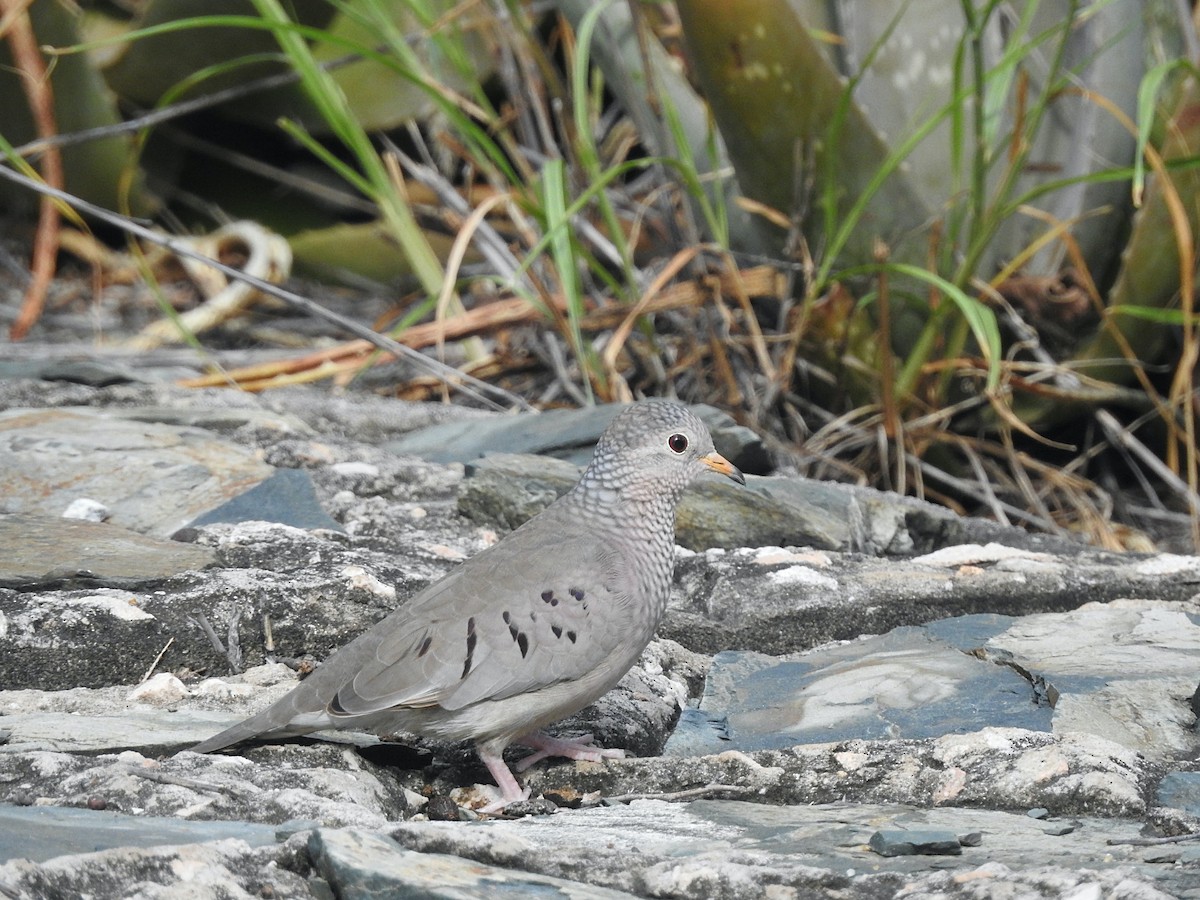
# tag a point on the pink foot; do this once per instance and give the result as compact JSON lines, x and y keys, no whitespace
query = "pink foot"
{"x":511,"y":791}
{"x":576,"y":748}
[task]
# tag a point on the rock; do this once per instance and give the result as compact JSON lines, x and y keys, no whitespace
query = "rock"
{"x":566,"y":434}
{"x":1180,"y":790}
{"x":328,"y":783}
{"x":54,"y":456}
{"x":87,"y":510}
{"x":39,"y":833}
{"x":905,"y":684}
{"x":360,"y":864}
{"x":965,"y":674}
{"x":310,"y":607}
{"x":1006,"y":768}
{"x":506,"y":489}
{"x":729,"y":849}
{"x":777,"y":600}
{"x":215,"y":869}
{"x":53,"y":552}
{"x":287,"y":497}
{"x":925,"y":841}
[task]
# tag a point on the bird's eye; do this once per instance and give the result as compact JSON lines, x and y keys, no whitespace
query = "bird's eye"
{"x":677,"y":442}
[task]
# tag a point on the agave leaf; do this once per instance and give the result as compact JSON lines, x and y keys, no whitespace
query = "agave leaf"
{"x":93,"y":170}
{"x":651,"y":89}
{"x":775,"y":95}
{"x":1150,"y":275}
{"x":363,"y":254}
{"x":150,"y":66}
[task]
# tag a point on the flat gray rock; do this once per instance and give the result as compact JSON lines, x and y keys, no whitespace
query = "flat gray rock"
{"x":729,"y":848}
{"x":506,"y":489}
{"x":781,"y":599}
{"x":39,"y":833}
{"x":215,"y":870}
{"x":49,"y":551}
{"x":287,"y":496}
{"x":153,"y":478}
{"x":566,"y":434}
{"x":905,"y":684}
{"x":1115,"y":670}
{"x":360,"y":865}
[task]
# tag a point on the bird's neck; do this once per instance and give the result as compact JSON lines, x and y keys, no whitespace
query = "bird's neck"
{"x":648,"y":504}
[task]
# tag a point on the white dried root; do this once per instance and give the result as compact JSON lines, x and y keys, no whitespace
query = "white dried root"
{"x":267,"y":256}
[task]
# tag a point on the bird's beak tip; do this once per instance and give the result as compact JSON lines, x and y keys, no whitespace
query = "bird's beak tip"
{"x":721,"y":465}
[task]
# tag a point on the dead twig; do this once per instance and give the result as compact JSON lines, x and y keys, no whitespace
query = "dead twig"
{"x":195,"y":784}
{"x":234,"y":651}
{"x":1124,"y":438}
{"x":157,"y":660}
{"x":1154,"y":842}
{"x":709,"y":790}
{"x":39,"y":94}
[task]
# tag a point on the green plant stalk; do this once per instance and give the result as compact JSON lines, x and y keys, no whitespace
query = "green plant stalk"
{"x":671,"y":120}
{"x":951,"y":109}
{"x":984,"y":228}
{"x":830,"y":188}
{"x":379,"y":17}
{"x":579,"y":203}
{"x":558,"y":230}
{"x":331,"y":103}
{"x":583,"y":102}
{"x":977,"y":316}
{"x":713,"y":210}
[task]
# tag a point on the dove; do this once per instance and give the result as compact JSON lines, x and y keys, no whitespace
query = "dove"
{"x":530,"y":630}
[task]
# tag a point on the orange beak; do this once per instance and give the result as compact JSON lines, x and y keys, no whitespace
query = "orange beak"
{"x":720,"y":464}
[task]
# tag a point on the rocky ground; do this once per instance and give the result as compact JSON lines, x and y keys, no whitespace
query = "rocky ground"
{"x":853,"y":695}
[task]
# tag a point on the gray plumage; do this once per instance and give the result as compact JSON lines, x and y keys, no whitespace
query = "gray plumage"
{"x":530,"y":630}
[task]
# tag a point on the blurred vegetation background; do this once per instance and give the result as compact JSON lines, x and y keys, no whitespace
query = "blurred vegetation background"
{"x":943,"y":248}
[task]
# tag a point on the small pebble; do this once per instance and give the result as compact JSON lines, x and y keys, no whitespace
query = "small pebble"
{"x":96,"y":802}
{"x":1058,"y":830}
{"x":971,"y":839}
{"x":1038,"y":812}
{"x":87,"y":510}
{"x":441,"y":808}
{"x":1163,"y":857}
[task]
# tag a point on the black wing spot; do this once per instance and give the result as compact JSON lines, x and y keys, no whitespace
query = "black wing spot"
{"x":425,"y":645}
{"x":506,"y":617}
{"x":523,"y":643}
{"x":576,"y":593}
{"x":471,"y":638}
{"x":571,"y":636}
{"x":532,"y":616}
{"x":547,"y":596}
{"x":557,"y":629}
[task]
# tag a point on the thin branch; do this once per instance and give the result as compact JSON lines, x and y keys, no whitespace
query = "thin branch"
{"x":472,"y":387}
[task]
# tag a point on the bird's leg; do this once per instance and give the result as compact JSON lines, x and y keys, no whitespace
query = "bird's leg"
{"x":579,"y":748}
{"x":510,"y":790}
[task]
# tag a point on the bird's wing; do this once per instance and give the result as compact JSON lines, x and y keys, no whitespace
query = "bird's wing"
{"x":514,"y":619}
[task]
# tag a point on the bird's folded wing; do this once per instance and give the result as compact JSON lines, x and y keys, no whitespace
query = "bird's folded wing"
{"x":502,"y":624}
